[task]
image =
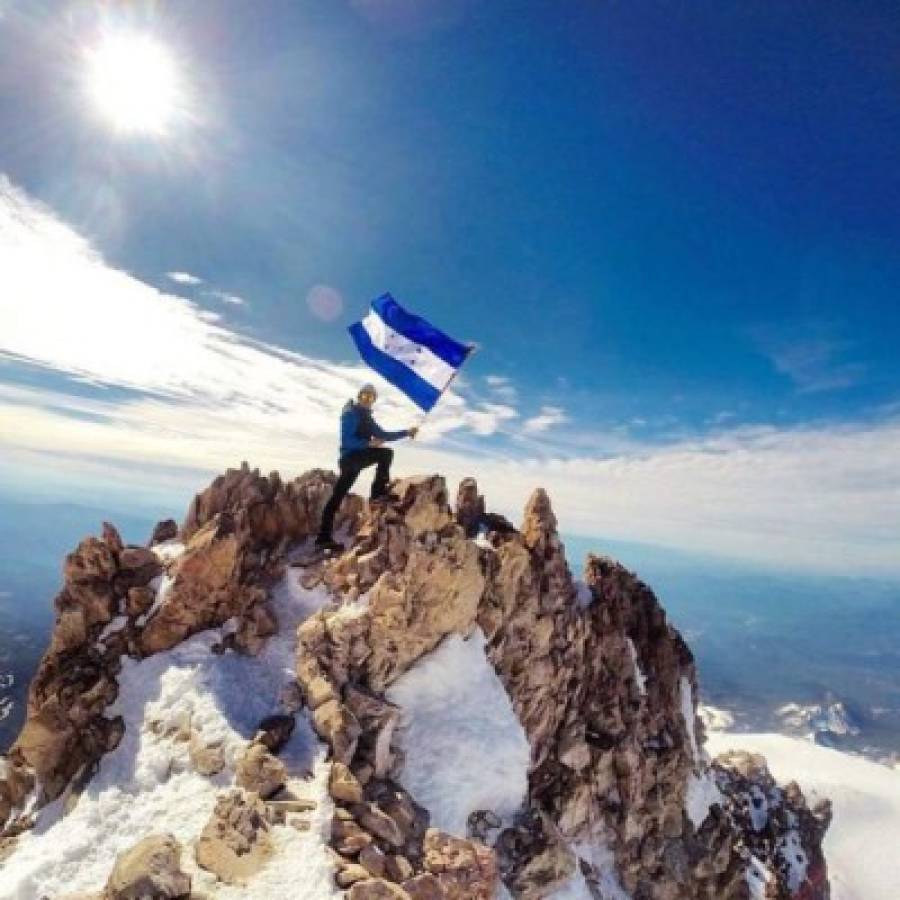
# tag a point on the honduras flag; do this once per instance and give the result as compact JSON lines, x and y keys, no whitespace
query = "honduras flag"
{"x":407,"y":351}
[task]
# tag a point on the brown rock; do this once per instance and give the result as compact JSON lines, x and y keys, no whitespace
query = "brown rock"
{"x":45,"y":740}
{"x":350,"y":874}
{"x":343,"y":784}
{"x":260,"y":772}
{"x":379,"y":823}
{"x":377,"y":889}
{"x":207,"y":759}
{"x":166,"y":530}
{"x":275,"y":731}
{"x":373,"y":860}
{"x":235,"y":842}
{"x":339,"y":727}
{"x":424,"y":887}
{"x":469,"y":507}
{"x":139,"y":600}
{"x":152,"y":868}
{"x":465,"y":869}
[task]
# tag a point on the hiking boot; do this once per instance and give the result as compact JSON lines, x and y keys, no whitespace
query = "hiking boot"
{"x":323,"y":542}
{"x":380,"y":500}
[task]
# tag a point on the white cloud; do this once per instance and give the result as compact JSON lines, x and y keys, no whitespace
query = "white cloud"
{"x":548,"y":417}
{"x":184,"y":278}
{"x":225,"y":297}
{"x":502,"y":388}
{"x":814,"y":363}
{"x":195,"y":398}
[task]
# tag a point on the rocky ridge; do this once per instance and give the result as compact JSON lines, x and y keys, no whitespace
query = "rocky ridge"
{"x":603,"y":686}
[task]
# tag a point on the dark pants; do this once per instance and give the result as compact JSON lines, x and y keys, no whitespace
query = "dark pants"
{"x":351,"y":465}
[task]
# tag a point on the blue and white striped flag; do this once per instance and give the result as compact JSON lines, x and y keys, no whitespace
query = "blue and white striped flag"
{"x":407,"y":351}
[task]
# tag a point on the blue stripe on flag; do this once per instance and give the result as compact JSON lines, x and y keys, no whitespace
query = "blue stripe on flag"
{"x":417,"y":329}
{"x":417,"y":389}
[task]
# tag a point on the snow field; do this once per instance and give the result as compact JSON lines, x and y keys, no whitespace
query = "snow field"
{"x":465,"y":749}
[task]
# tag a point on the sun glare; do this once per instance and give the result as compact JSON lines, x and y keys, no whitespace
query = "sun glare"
{"x":134,"y":83}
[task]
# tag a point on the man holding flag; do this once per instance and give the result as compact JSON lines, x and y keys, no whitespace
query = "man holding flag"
{"x":415,"y":357}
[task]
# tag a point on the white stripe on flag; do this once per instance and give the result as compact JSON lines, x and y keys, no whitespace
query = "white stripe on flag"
{"x":419,"y":359}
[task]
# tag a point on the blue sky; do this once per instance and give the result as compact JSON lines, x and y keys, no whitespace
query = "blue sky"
{"x":672,"y":228}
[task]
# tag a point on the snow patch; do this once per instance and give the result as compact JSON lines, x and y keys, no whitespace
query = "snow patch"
{"x":702,"y":794}
{"x":117,"y":624}
{"x":484,"y":542}
{"x":465,"y":749}
{"x":713,"y":718}
{"x":166,"y":551}
{"x":639,"y":676}
{"x":161,"y":584}
{"x":757,"y":877}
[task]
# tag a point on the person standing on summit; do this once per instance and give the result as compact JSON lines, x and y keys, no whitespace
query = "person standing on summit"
{"x":362,"y":445}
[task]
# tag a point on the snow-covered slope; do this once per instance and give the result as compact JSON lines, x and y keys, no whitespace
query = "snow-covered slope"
{"x":863,"y":841}
{"x":148,"y":785}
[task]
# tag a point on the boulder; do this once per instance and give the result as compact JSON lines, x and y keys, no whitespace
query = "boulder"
{"x":235,"y":843}
{"x":150,"y":869}
{"x":376,"y":889}
{"x":260,"y":772}
{"x":166,"y":530}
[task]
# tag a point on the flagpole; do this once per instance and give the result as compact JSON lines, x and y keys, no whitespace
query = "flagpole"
{"x":472,"y":349}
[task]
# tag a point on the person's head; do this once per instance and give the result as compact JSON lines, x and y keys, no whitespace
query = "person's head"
{"x":367,"y":395}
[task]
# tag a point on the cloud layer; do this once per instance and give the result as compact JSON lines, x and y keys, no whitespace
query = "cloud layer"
{"x":172,"y":396}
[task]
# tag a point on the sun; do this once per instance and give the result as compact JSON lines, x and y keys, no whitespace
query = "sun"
{"x":134,"y":83}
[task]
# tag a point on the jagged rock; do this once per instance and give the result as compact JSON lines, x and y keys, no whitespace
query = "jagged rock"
{"x":339,"y":727}
{"x":346,"y":836}
{"x":596,"y":675}
{"x":207,"y":759}
{"x":139,"y":600}
{"x":377,"y":889}
{"x":465,"y":870}
{"x":257,"y":624}
{"x":267,"y":509}
{"x":205,"y":588}
{"x":424,"y":887}
{"x":235,"y":842}
{"x":275,"y":731}
{"x":260,"y":772}
{"x":374,"y":861}
{"x":44,"y":740}
{"x":379,"y":823}
{"x":352,"y":873}
{"x":165,"y":530}
{"x":344,"y":785}
{"x":776,"y":824}
{"x":410,"y":612}
{"x":469,"y":507}
{"x":152,"y":868}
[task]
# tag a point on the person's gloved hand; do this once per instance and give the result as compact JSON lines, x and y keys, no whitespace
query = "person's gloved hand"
{"x":413,"y":431}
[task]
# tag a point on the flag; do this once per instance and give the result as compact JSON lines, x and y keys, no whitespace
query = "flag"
{"x":407,"y":351}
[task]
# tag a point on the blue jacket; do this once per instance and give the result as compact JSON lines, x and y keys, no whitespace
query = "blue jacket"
{"x":358,"y":426}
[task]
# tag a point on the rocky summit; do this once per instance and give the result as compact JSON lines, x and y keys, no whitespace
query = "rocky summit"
{"x":219,"y":714}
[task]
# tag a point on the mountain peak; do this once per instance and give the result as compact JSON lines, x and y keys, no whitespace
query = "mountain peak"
{"x":453,"y":713}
